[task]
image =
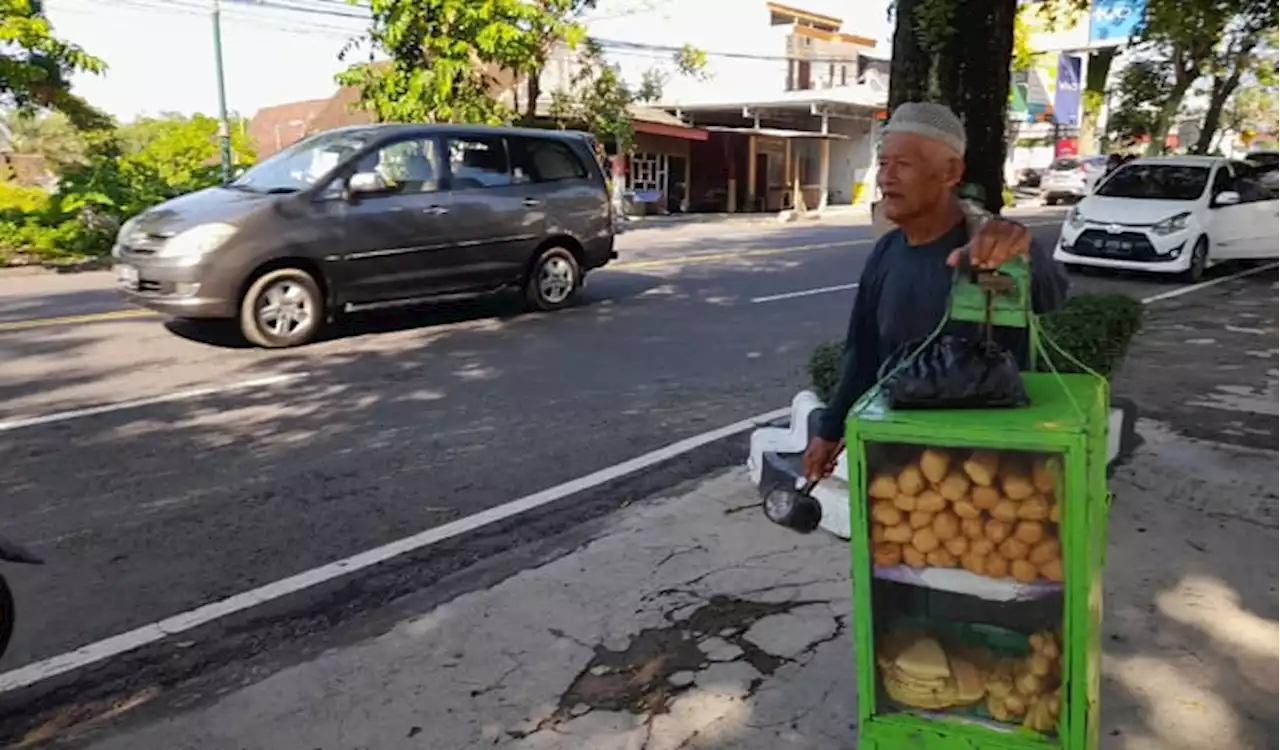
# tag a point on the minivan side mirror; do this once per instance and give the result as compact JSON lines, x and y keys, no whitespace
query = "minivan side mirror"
{"x":366,"y":183}
{"x":1226,"y":198}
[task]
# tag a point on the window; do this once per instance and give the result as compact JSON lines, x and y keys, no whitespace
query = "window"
{"x":478,"y":162}
{"x":1222,"y":181}
{"x":301,"y":165}
{"x":1171,"y":182}
{"x":647,"y":173}
{"x":844,"y":75}
{"x":411,"y":166}
{"x":544,"y":160}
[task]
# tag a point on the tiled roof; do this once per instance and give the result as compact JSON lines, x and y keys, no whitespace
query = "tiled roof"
{"x":273,"y":128}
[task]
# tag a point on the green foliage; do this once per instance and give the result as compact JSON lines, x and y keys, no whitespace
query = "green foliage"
{"x":36,"y":66}
{"x":124,"y":171}
{"x":1095,"y":329}
{"x":1135,"y":109}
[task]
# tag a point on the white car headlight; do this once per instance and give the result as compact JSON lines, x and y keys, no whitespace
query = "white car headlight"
{"x":1074,"y":219}
{"x":196,"y":241}
{"x":1172,"y":224}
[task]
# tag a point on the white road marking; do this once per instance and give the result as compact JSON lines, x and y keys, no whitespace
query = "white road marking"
{"x":805,"y":292}
{"x":187,"y":395}
{"x":1206,"y":284}
{"x":147,"y":634}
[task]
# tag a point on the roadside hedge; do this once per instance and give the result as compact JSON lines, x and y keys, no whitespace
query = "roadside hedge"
{"x":1096,"y":329}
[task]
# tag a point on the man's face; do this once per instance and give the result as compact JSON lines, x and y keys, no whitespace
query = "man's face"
{"x":915,"y":175}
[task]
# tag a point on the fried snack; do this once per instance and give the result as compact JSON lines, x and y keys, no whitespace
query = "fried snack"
{"x":877,"y":533}
{"x":945,"y":526}
{"x":984,"y":498}
{"x":1040,"y":717}
{"x":940,"y":558}
{"x":886,"y":554}
{"x":913,"y":557}
{"x":971,"y":528}
{"x":904,"y":503}
{"x":995,"y":707}
{"x":982,"y":466}
{"x":968,"y":679}
{"x":1015,"y":704}
{"x":1013,"y":549}
{"x":883,"y":487}
{"x":1042,"y":471}
{"x":1052,"y":570}
{"x":1045,"y":551}
{"x":974,"y":563}
{"x":1039,"y":665}
{"x":884,"y":512}
{"x":982,"y":546}
{"x":925,"y":540}
{"x":996,"y":566}
{"x":957,"y":545}
{"x":1023,"y":571}
{"x":966,"y":509}
{"x":996,"y":530}
{"x":930,"y":501}
{"x":1005,"y":510}
{"x":934,"y":464}
{"x":929,"y":695}
{"x":1055,"y":514}
{"x":1034,"y":508}
{"x":1016,"y":486}
{"x":1028,"y":684}
{"x":900,"y":534}
{"x":910,"y":480}
{"x":1029,"y":532}
{"x":954,"y":487}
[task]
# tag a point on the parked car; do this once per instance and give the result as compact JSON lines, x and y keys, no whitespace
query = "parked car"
{"x":1029,"y":177}
{"x":1172,"y":214}
{"x":1071,"y":178}
{"x":1267,"y":166}
{"x":375,"y":216}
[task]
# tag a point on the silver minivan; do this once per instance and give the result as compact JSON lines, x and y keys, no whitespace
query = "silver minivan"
{"x":375,"y":216}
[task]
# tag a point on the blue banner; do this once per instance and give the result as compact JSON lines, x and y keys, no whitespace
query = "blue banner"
{"x":1115,"y":20}
{"x":1066,"y":97}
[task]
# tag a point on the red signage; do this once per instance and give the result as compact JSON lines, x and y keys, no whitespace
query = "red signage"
{"x":1066,"y":147}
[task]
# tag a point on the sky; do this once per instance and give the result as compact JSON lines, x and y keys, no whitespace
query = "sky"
{"x":160,"y":53}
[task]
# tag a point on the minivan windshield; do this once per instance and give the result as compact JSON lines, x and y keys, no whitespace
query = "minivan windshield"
{"x":1169,"y":182}
{"x":299,"y":166}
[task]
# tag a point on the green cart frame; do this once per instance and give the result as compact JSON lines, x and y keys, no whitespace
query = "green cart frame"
{"x":1067,"y":416}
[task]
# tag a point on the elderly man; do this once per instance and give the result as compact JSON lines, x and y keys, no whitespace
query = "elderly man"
{"x":906,"y":282}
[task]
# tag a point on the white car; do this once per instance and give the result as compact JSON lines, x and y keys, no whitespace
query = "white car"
{"x":1071,"y":178}
{"x":1172,"y":214}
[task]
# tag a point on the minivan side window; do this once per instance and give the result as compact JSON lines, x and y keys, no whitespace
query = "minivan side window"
{"x":545,"y":160}
{"x":411,"y":166}
{"x":477,"y":162}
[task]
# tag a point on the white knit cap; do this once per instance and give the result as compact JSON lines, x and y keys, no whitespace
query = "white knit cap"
{"x":933,"y":121}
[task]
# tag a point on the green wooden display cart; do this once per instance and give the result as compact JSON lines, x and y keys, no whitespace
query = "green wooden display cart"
{"x":1066,"y":418}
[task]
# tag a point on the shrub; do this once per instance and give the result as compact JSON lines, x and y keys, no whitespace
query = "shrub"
{"x":1096,"y":329}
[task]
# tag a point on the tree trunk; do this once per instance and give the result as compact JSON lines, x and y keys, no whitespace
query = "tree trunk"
{"x":1091,"y":99}
{"x":982,"y":98}
{"x":1164,"y":120}
{"x":533,"y":90}
{"x":909,"y":68}
{"x":1223,"y":88}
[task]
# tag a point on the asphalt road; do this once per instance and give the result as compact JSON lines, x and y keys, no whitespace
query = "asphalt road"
{"x":393,"y":424}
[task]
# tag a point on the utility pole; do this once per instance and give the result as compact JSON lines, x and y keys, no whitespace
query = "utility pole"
{"x":224,"y":127}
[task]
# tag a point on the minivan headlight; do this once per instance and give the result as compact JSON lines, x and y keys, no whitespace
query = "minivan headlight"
{"x":1074,"y":219}
{"x":1172,"y":224}
{"x":196,"y":241}
{"x":126,"y":229}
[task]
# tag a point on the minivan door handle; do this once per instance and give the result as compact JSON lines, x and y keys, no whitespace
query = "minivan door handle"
{"x":531,"y":202}
{"x":435,"y":210}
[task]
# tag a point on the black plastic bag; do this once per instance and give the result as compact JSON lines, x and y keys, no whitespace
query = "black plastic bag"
{"x":951,"y":372}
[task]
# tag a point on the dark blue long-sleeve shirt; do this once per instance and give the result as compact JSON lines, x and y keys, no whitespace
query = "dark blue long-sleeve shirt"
{"x":904,"y":292}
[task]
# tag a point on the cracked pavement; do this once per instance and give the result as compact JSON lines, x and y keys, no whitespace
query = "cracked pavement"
{"x":682,"y":623}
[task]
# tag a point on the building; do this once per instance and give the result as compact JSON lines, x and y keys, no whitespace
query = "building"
{"x":807,"y":143}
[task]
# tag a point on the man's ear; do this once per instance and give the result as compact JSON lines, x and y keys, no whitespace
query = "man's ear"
{"x":955,"y":171}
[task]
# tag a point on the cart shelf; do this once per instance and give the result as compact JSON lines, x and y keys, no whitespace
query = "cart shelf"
{"x":963,"y":582}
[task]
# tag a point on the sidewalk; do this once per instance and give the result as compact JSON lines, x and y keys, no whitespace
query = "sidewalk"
{"x":691,"y":622}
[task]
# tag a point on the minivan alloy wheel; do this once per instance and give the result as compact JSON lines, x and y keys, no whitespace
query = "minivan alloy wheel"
{"x":556,"y":280}
{"x":285,"y":307}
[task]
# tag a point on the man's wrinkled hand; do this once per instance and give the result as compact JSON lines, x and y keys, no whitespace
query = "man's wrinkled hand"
{"x":996,"y":243}
{"x":820,"y":458}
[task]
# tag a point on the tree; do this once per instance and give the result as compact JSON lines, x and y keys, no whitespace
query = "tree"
{"x":935,"y":59}
{"x":36,"y":66}
{"x":1248,"y":54}
{"x":50,"y":135}
{"x":1253,"y":111}
{"x":1136,"y":102}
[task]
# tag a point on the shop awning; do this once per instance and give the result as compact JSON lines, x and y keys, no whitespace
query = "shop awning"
{"x":776,"y":132}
